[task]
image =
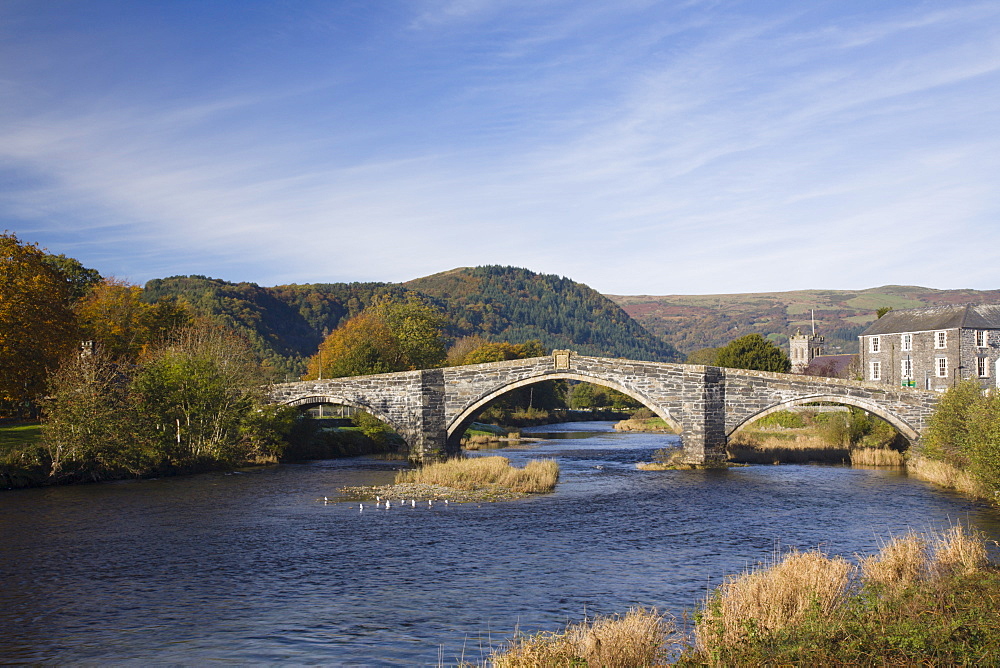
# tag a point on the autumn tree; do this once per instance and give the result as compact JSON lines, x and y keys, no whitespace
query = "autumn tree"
{"x":753,"y":351}
{"x":498,"y":351}
{"x":114,"y":315}
{"x":37,"y":326}
{"x":391,"y":335}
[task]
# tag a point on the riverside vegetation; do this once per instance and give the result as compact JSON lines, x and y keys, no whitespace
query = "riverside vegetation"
{"x":924,"y":599}
{"x":467,"y":479}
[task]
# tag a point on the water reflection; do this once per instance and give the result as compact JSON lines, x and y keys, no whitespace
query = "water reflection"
{"x":254,"y":568}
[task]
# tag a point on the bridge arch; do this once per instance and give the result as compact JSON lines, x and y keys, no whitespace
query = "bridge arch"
{"x":901,"y":425}
{"x":457,"y":424}
{"x":315,"y":399}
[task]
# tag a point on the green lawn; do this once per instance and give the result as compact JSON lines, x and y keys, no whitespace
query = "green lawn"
{"x":14,"y":437}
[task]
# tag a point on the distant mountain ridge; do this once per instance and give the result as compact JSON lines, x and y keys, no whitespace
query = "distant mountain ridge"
{"x":691,"y":322}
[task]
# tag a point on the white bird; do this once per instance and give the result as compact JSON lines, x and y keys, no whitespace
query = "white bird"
{"x":361,"y":507}
{"x":446,"y":502}
{"x":325,"y":500}
{"x":413,"y":503}
{"x":430,"y":502}
{"x":378,"y":499}
{"x":387,"y":506}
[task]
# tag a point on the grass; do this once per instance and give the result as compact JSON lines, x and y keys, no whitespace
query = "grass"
{"x":538,"y":476}
{"x":17,"y":436}
{"x":638,"y":638}
{"x":762,"y":448}
{"x":654,"y":424}
{"x":924,"y":599}
{"x":877,"y":457}
{"x":947,"y":476}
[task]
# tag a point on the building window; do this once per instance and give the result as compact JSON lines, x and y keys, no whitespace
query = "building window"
{"x":876,"y":344}
{"x":906,"y":369}
{"x":980,"y":339}
{"x":942,"y":367}
{"x":983,"y":367}
{"x":940,"y":339}
{"x":906,"y":342}
{"x":876,"y":370}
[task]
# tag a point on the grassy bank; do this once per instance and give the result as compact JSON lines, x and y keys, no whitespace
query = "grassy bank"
{"x":924,"y":599}
{"x":23,"y":460}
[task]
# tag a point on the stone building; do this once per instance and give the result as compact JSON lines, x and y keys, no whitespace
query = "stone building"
{"x":933,"y":347}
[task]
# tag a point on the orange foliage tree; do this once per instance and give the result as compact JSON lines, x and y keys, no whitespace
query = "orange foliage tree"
{"x":121,"y":324}
{"x":37,"y":326}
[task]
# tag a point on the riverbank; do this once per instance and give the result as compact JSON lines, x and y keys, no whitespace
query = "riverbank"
{"x":924,"y":599}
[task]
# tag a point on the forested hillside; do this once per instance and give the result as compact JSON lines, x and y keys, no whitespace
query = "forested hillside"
{"x":517,"y":305}
{"x":690,"y":322}
{"x":285,"y":324}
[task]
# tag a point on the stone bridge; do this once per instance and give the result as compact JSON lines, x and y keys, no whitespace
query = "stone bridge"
{"x":431,"y":409}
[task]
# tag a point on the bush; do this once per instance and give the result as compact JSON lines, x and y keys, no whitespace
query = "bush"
{"x":964,"y":433}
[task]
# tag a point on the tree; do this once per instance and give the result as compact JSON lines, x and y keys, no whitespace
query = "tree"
{"x":753,"y":351}
{"x":37,"y":326}
{"x":80,"y":278}
{"x":89,"y":425}
{"x":418,"y":327}
{"x":196,"y":393}
{"x":114,"y":315}
{"x":705,"y":356}
{"x":392,"y":335}
{"x":501,"y":351}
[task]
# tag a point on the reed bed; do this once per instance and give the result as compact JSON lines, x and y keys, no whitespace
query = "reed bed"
{"x":538,"y":475}
{"x":769,"y":599}
{"x":760,"y":448}
{"x":927,"y":599}
{"x":877,"y":457}
{"x":482,"y":441}
{"x":945,"y":475}
{"x":639,"y":638}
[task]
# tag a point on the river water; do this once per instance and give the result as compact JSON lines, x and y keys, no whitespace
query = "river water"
{"x":253,"y":567}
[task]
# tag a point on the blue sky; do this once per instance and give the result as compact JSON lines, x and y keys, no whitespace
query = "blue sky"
{"x":639,"y":147}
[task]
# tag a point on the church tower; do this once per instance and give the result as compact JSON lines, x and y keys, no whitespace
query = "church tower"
{"x":802,"y":348}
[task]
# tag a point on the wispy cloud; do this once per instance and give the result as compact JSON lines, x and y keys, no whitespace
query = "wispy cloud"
{"x":640,"y":149}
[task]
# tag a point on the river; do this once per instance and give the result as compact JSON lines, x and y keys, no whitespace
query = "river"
{"x":253,"y":567}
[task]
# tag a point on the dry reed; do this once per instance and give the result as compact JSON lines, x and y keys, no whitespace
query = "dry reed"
{"x":538,"y":475}
{"x":877,"y":457}
{"x":761,"y":448}
{"x":914,"y":557}
{"x":639,"y":638}
{"x":945,"y":475}
{"x":773,"y":597}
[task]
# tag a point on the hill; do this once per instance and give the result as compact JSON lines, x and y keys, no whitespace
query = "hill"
{"x":516,"y":305}
{"x":285,"y":324}
{"x":690,"y":322}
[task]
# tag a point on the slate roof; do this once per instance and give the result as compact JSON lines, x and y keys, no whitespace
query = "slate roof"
{"x":832,"y":366}
{"x":965,"y":316}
